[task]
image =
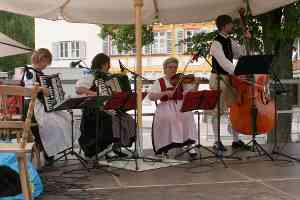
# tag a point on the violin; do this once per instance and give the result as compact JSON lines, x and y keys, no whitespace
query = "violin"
{"x":180,"y":78}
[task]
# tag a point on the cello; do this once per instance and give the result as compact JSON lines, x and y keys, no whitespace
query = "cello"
{"x":253,"y":111}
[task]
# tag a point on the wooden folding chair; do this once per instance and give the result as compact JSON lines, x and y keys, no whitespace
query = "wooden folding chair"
{"x":21,"y":147}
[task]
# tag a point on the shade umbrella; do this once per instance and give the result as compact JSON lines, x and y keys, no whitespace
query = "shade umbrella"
{"x":122,"y":11}
{"x":137,"y":12}
{"x":10,"y":47}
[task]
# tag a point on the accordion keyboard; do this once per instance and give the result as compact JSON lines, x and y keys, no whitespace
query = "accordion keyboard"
{"x":56,"y":93}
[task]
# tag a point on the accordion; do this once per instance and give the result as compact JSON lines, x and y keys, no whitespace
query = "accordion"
{"x":56,"y":92}
{"x":113,"y":83}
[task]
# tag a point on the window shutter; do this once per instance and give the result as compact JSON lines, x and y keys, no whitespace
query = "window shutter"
{"x":106,"y":46}
{"x":55,"y":50}
{"x":179,"y":39}
{"x":169,"y":42}
{"x":82,"y":49}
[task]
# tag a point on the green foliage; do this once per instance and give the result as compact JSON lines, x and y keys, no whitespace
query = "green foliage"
{"x":19,"y":28}
{"x":200,"y":42}
{"x":123,"y":36}
{"x":268,"y":31}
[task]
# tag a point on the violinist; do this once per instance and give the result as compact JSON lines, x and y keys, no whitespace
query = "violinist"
{"x":223,"y":51}
{"x":172,"y":128}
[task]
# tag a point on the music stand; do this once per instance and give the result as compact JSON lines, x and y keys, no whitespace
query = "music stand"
{"x":279,"y":89}
{"x":251,"y":65}
{"x":130,"y":104}
{"x":116,"y":102}
{"x":199,"y":100}
{"x":257,"y":64}
{"x":78,"y":103}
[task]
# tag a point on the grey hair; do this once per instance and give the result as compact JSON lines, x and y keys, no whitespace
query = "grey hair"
{"x":170,"y":60}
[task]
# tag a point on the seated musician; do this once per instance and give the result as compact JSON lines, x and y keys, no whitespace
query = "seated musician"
{"x":110,"y":132}
{"x":171,"y":128}
{"x":54,"y":128}
{"x":223,"y":51}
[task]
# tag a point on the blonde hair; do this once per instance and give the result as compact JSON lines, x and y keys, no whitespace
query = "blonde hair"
{"x":40,"y":54}
{"x":169,"y":61}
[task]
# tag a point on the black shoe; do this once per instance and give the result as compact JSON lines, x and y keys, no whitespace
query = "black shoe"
{"x":236,"y":145}
{"x":109,"y":157}
{"x":219,"y":146}
{"x":120,"y":154}
{"x":240,"y":144}
{"x":192,"y":153}
{"x":244,"y":146}
{"x":49,"y":161}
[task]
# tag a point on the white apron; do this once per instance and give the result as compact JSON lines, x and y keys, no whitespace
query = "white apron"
{"x":54,"y":129}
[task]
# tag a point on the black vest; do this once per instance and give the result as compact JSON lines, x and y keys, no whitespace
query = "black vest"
{"x":227,"y":48}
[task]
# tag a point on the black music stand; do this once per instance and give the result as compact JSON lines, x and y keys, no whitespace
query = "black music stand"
{"x":133,"y":103}
{"x":130,"y":104}
{"x":279,"y":89}
{"x":257,"y":64}
{"x":115,"y":102}
{"x":97,"y":102}
{"x":78,"y":103}
{"x":199,"y":100}
{"x":251,"y":65}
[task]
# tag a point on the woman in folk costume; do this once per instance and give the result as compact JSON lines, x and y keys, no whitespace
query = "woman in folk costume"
{"x":54,"y":128}
{"x":118,"y":128}
{"x":171,"y":128}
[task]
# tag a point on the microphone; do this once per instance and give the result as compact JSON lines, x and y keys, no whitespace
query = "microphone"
{"x":82,"y":67}
{"x":121,"y":66}
{"x":74,"y":64}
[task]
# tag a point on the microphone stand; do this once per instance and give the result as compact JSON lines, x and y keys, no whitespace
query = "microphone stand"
{"x":136,"y":154}
{"x":279,"y":90}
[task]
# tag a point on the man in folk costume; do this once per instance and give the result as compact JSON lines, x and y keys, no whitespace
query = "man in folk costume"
{"x":223,"y":50}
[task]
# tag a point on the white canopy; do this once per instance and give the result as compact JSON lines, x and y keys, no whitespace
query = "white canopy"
{"x":10,"y":47}
{"x":122,"y":11}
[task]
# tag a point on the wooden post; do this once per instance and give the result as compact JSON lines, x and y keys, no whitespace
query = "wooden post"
{"x":138,"y":4}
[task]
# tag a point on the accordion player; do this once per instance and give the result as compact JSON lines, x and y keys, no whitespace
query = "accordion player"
{"x":54,"y":128}
{"x":118,"y":127}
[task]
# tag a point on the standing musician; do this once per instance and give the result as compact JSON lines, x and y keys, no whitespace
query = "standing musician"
{"x":110,"y":132}
{"x":54,"y":128}
{"x":223,"y":51}
{"x":171,"y":127}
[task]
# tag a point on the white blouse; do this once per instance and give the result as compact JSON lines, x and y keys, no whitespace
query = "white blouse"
{"x":217,"y":52}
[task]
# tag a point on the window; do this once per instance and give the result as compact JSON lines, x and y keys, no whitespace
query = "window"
{"x":179,"y":41}
{"x":147,"y":50}
{"x":188,"y":35}
{"x":106,"y":45}
{"x":69,"y":50}
{"x":162,"y":43}
{"x":169,"y":42}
